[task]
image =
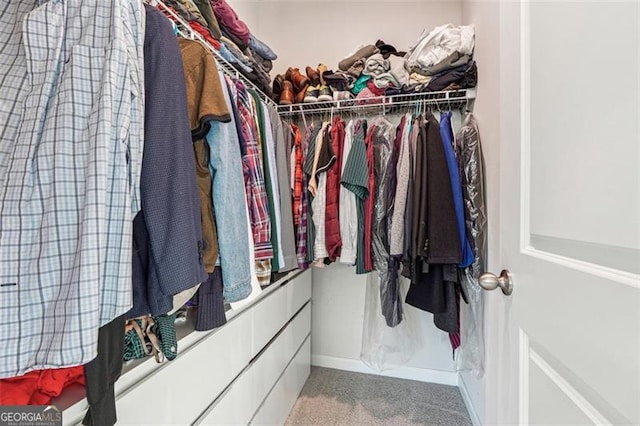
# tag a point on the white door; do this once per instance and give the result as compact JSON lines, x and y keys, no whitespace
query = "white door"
{"x":570,"y":213}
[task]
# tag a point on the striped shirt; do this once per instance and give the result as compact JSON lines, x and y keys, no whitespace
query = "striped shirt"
{"x":302,"y":248}
{"x":355,"y":178}
{"x":71,"y":141}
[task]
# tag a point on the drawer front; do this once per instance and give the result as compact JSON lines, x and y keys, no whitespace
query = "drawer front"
{"x":280,"y":401}
{"x":182,"y":389}
{"x":237,"y":405}
{"x":298,"y":292}
{"x":272,"y":314}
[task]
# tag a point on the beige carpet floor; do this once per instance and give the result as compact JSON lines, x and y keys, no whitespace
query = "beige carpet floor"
{"x":334,"y":397}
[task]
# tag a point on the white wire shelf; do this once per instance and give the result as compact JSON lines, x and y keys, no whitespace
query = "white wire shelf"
{"x":183,"y":29}
{"x":445,"y":100}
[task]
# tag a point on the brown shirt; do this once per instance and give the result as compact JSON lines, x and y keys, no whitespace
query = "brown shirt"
{"x":205,"y":101}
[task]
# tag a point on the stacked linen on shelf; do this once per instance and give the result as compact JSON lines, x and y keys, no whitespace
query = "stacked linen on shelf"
{"x":443,"y":60}
{"x":244,"y":48}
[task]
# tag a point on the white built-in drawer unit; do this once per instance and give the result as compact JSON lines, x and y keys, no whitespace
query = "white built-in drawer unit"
{"x":250,"y":370}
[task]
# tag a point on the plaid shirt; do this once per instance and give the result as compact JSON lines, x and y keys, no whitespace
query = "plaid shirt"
{"x":301,"y":231}
{"x":254,"y":177}
{"x":298,"y":184}
{"x":71,"y":108}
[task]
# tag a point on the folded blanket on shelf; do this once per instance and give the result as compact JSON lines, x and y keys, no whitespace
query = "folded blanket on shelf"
{"x":435,"y":46}
{"x":396,"y":76}
{"x":361,"y":53}
{"x":229,"y":20}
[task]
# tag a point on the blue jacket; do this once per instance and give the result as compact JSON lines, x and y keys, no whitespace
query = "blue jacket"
{"x":168,"y":242}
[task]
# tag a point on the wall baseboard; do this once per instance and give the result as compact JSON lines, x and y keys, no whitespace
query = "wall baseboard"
{"x":410,"y":373}
{"x":473,"y":413}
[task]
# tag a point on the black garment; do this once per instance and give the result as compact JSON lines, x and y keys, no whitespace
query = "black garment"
{"x":408,"y":253}
{"x":101,"y":374}
{"x":448,"y":320}
{"x":443,"y":244}
{"x":420,"y":195}
{"x":434,"y":267}
{"x":427,"y":291}
{"x":442,"y":81}
{"x":466,"y":76}
{"x":470,"y":78}
{"x":211,"y":313}
{"x":168,"y":241}
{"x":391,"y":296}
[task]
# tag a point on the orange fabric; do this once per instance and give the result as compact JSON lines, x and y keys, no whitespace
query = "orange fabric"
{"x":39,"y":387}
{"x":298,"y":180}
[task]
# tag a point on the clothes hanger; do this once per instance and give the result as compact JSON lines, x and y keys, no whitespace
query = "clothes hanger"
{"x":304,"y":118}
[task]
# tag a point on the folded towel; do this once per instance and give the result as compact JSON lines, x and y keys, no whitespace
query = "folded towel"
{"x":397,"y":76}
{"x":375,"y":65}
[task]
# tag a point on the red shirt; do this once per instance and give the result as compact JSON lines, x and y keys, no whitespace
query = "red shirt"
{"x":332,"y":215}
{"x":370,"y":202}
{"x":39,"y":387}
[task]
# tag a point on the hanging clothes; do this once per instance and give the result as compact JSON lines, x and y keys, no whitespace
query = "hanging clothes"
{"x":255,"y":189}
{"x":383,"y":139}
{"x":168,"y":237}
{"x":468,"y":143}
{"x":371,"y":199}
{"x":301,"y":181}
{"x":229,"y":202}
{"x":355,"y":178}
{"x":332,"y":219}
{"x":403,"y":173}
{"x":323,"y":158}
{"x":446,"y":132}
{"x":410,"y":230}
{"x":389,"y":279}
{"x":69,"y":193}
{"x":287,"y":237}
{"x":438,"y":245}
{"x":348,"y":212}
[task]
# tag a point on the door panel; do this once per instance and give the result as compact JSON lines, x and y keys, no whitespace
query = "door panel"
{"x":569,"y":211}
{"x":552,"y":400}
{"x":581,"y":109}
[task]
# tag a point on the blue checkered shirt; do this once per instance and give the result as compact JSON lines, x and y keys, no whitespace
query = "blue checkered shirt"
{"x":71,"y":128}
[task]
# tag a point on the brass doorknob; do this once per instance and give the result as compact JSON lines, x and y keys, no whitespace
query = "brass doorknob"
{"x":490,"y":281}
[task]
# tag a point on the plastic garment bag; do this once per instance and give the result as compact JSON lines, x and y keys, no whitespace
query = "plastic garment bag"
{"x":383,"y":152}
{"x":385,"y":347}
{"x":391,"y":335}
{"x":470,"y":355}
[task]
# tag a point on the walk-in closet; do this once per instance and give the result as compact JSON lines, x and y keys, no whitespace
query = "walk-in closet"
{"x":226,"y":212}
